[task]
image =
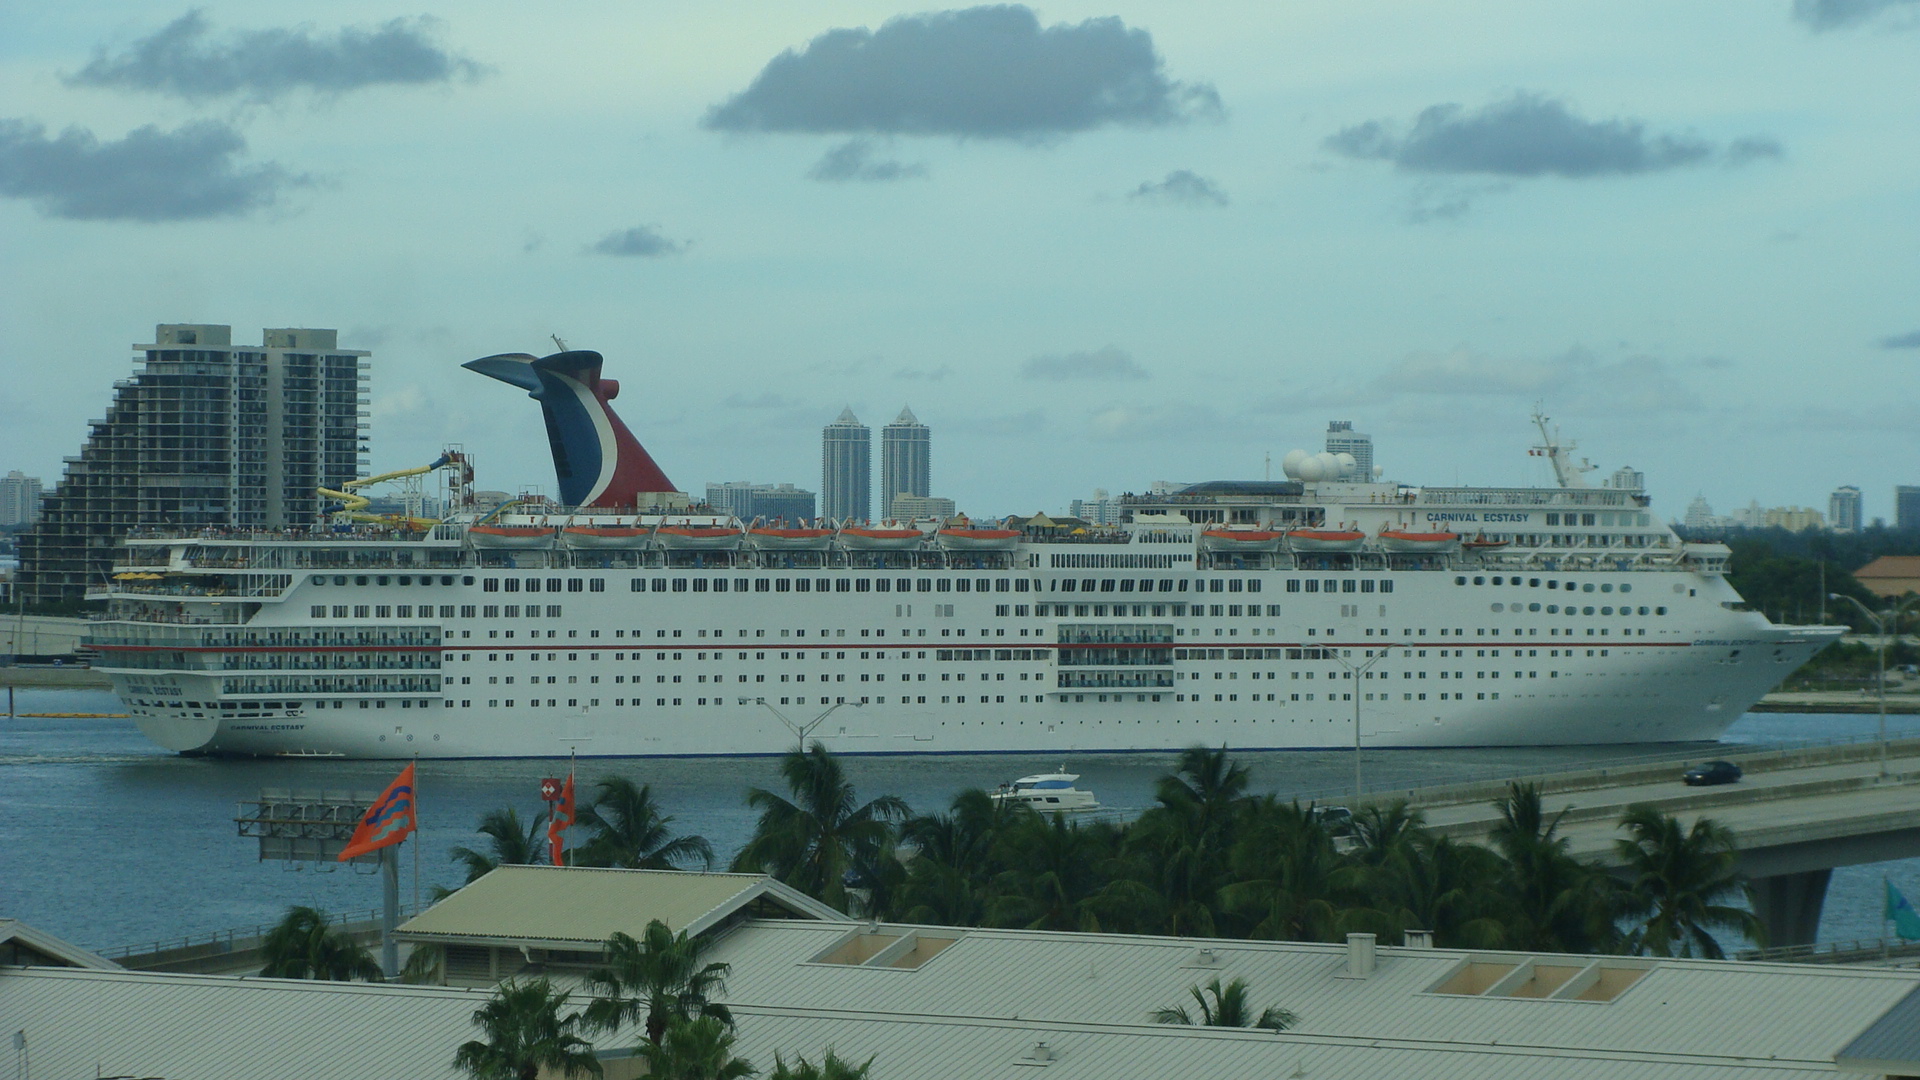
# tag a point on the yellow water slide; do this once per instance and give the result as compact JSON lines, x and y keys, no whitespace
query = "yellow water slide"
{"x":351,"y":502}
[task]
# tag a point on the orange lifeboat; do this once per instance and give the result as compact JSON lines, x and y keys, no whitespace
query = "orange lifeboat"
{"x":697,"y":537}
{"x":510,"y":536}
{"x":867,"y":539}
{"x":1241,"y":540}
{"x":1325,"y":539}
{"x":780,"y":539}
{"x":604,"y":536}
{"x":1406,"y":540}
{"x":958,"y":539}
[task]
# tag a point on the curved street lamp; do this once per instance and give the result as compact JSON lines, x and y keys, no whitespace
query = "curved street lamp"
{"x":1358,"y":672}
{"x":1880,"y":624}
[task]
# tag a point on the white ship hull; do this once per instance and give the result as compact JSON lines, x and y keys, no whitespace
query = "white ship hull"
{"x":1249,"y":682}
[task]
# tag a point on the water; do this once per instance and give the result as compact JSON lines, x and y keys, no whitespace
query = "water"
{"x":107,"y":840}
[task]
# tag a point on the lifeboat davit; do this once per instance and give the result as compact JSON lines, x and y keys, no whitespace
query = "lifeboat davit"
{"x":697,"y":537}
{"x":979,"y":539}
{"x":1404,"y":540}
{"x":1325,"y":539}
{"x":866,"y":539}
{"x":775,"y":539}
{"x":604,"y":536}
{"x":510,"y":536}
{"x":1241,"y":540}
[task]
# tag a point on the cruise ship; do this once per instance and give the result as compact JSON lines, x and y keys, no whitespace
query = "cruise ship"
{"x":1325,"y":610}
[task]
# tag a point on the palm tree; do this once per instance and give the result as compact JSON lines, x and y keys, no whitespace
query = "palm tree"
{"x":953,"y":860}
{"x":1060,"y":876}
{"x":831,"y":1067}
{"x":1287,"y":883}
{"x":697,"y":1049}
{"x":1678,"y":882}
{"x":658,"y":980}
{"x":1227,"y":1008}
{"x":628,"y":830}
{"x":1187,"y":836}
{"x":525,"y":1033}
{"x":1432,"y":883}
{"x":812,"y":841}
{"x":509,"y":844}
{"x":306,"y":946}
{"x":1555,"y":902}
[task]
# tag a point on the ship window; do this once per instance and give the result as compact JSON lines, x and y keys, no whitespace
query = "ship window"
{"x":1533,"y":583}
{"x":1386,"y":586}
{"x":1107,"y":585}
{"x":659,"y":584}
{"x":1126,"y":585}
{"x":1533,"y":607}
{"x":762,"y":584}
{"x":576,"y":585}
{"x":923,"y":585}
{"x":1586,"y":519}
{"x":719,"y":584}
{"x":1348,"y":585}
{"x":512,"y":585}
{"x":637,"y":585}
{"x":1293,"y":584}
{"x":1606,"y":588}
{"x":842,"y":584}
{"x":943,"y":585}
{"x":1216,"y":585}
{"x":1553,"y":609}
{"x":1002,"y":585}
{"x":1068,"y":585}
{"x":1366,"y":586}
{"x":679,"y":584}
{"x":865,"y":585}
{"x":803,"y":585}
{"x":699,"y":584}
{"x":533,"y":585}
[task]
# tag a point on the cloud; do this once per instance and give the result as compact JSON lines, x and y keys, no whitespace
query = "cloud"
{"x":983,"y":72}
{"x":1106,"y":363}
{"x":1838,"y":14}
{"x":1182,"y":186}
{"x":923,"y":374}
{"x":150,"y":175}
{"x":765,"y":400}
{"x":181,"y":59}
{"x":853,"y":160}
{"x":1532,"y":135}
{"x":641,"y":241}
{"x":1902,"y":341}
{"x":1577,"y":380}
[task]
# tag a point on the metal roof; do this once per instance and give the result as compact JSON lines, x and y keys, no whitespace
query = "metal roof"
{"x":1892,"y":1044}
{"x":570,"y":906}
{"x":68,"y":954}
{"x":1724,"y":1012}
{"x":213,"y":1027}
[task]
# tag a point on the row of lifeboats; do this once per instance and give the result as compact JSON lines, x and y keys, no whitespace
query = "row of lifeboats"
{"x":1321,"y":540}
{"x":730,"y":538}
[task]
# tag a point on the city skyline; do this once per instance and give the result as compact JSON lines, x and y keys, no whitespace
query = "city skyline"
{"x":1303,"y":212}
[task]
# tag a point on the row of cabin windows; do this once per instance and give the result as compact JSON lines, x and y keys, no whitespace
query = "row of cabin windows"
{"x":533,"y":584}
{"x":1338,"y":585}
{"x":388,"y":579}
{"x":1535,"y":583}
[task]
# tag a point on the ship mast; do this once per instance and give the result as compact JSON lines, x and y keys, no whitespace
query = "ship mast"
{"x":1560,"y":454}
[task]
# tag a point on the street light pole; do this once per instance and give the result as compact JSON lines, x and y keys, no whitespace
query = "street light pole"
{"x":1358,"y":672}
{"x":1892,"y":615}
{"x":801,"y":731}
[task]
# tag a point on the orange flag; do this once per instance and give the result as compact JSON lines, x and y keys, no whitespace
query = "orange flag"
{"x":558,"y":821}
{"x":389,"y":820}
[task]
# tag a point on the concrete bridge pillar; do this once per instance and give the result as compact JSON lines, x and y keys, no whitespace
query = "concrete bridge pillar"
{"x":1789,"y":905}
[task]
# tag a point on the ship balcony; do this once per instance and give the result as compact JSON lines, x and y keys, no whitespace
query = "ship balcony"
{"x":1116,"y":658}
{"x":288,"y":685}
{"x":1111,"y":678}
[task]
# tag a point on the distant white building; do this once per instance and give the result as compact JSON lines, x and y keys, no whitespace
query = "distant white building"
{"x":1843,"y":509}
{"x":1102,"y":509}
{"x":1792,"y":518}
{"x":1628,"y":478}
{"x":1342,"y":439}
{"x":19,"y":499}
{"x":908,"y":507}
{"x":1699,"y":514}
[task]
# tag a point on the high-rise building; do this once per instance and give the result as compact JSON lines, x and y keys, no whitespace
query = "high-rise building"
{"x":1906,"y":507}
{"x":205,"y":433}
{"x":19,"y":499}
{"x":1102,"y":509}
{"x":1699,"y":513}
{"x":922,"y":507}
{"x":768,"y":502}
{"x":906,"y":460}
{"x":1843,"y":509}
{"x":1342,"y":439}
{"x":1791,"y":518}
{"x":1628,"y":479}
{"x":846,"y":467}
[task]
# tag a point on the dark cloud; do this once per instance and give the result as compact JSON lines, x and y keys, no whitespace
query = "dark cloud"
{"x":853,"y":160}
{"x":1839,"y":14}
{"x":182,"y":59}
{"x":641,"y":241}
{"x":1182,"y":186}
{"x":1901,"y":341}
{"x":150,"y":175}
{"x":984,"y":72}
{"x":1107,"y":363}
{"x":1532,"y":135}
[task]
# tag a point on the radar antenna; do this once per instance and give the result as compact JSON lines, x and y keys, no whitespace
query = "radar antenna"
{"x":557,"y":343}
{"x":1560,"y":454}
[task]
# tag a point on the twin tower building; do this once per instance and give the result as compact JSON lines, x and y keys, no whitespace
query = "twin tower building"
{"x":906,"y":474}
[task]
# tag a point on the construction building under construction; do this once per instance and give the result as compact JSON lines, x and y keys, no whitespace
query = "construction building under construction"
{"x":206,"y":432}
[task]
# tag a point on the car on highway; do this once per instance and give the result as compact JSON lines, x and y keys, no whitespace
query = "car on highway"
{"x":1711,"y":772}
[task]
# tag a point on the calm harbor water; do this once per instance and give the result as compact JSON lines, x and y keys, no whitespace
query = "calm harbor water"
{"x":107,"y":840}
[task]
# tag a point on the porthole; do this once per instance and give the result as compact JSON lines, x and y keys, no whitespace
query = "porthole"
{"x":1498,"y":608}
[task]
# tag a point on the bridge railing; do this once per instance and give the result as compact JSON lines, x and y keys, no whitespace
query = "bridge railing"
{"x":1889,"y":951}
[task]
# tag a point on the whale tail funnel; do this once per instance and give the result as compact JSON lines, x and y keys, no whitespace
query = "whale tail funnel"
{"x":596,"y":460}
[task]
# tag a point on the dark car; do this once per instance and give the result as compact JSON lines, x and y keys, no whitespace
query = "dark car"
{"x":1711,"y":772}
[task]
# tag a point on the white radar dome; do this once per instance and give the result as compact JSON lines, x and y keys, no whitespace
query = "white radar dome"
{"x":1310,"y":469}
{"x":1348,"y":466}
{"x":1291,"y":463}
{"x":1330,"y":468}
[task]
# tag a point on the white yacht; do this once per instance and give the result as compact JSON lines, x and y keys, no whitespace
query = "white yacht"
{"x":1050,"y":792}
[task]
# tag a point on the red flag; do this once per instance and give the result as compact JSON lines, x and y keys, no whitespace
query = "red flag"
{"x":558,"y":821}
{"x":388,"y":821}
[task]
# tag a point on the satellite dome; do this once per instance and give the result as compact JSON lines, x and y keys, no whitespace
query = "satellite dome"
{"x":1349,"y":467}
{"x":1291,"y":463}
{"x":1310,"y":469}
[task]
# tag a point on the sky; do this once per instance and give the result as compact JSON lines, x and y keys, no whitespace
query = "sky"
{"x":1090,"y":244}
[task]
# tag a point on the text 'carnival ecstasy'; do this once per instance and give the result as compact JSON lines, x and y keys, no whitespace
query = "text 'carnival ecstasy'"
{"x":626,"y":620}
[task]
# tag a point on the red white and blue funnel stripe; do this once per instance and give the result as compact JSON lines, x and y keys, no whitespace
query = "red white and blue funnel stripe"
{"x":596,"y":459}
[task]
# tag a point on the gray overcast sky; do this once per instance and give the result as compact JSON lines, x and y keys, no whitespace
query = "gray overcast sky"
{"x":1090,"y":244}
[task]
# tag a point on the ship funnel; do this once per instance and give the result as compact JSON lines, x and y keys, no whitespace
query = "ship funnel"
{"x":596,"y":460}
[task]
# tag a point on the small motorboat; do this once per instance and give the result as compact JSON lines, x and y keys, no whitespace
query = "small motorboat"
{"x":1052,"y":793}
